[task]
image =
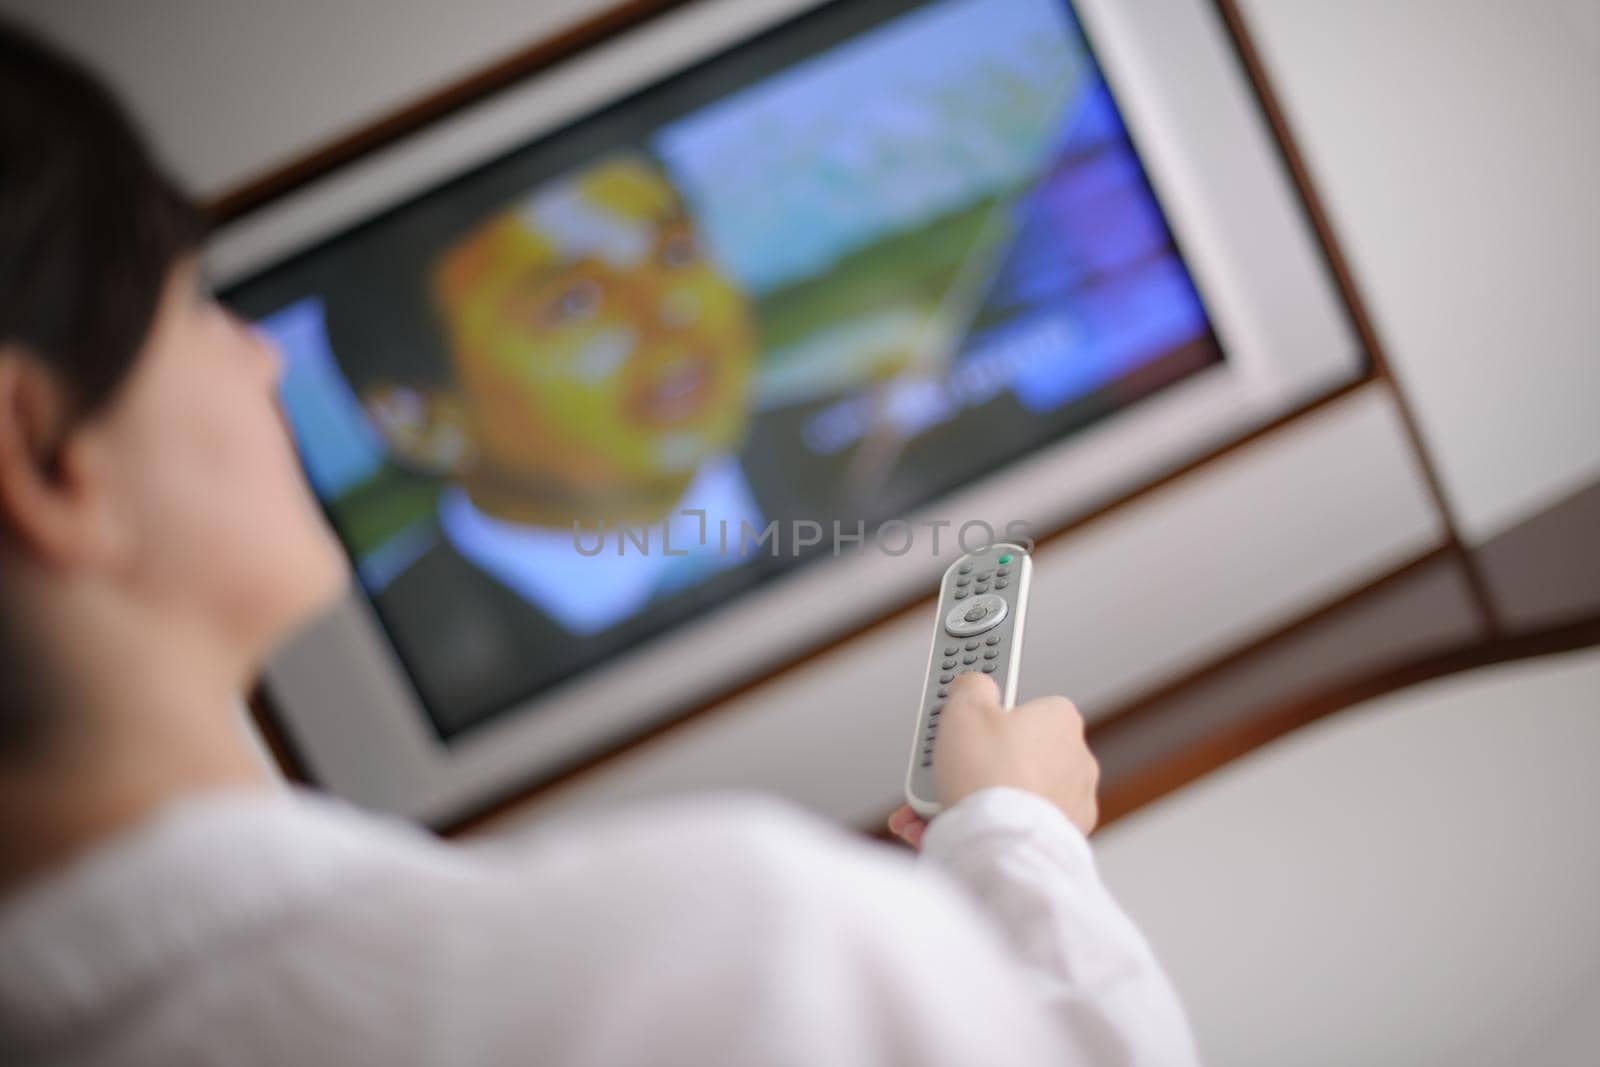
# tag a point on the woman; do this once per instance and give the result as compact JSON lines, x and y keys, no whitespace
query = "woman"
{"x":163,"y":899}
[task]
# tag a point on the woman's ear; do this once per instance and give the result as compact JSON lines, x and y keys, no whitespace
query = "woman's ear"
{"x":54,"y":500}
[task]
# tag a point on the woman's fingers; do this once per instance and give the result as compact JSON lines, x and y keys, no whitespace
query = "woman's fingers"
{"x":907,"y":825}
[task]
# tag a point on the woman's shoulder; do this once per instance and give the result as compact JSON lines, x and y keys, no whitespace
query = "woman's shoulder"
{"x":728,"y":844}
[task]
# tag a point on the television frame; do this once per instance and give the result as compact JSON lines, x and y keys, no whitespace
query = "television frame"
{"x":345,"y":702}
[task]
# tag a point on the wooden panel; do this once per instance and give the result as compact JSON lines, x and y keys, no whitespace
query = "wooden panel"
{"x":1422,"y":609}
{"x":1546,"y":570}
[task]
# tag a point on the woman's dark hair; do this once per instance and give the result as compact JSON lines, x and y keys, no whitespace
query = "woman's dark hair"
{"x":89,"y":224}
{"x":90,"y":228}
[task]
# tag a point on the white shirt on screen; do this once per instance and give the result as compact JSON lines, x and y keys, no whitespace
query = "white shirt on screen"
{"x":587,"y":593}
{"x":280,"y":928}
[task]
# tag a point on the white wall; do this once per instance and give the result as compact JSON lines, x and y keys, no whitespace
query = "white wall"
{"x":1409,"y":882}
{"x":1456,"y":143}
{"x":1457,"y":146}
{"x":230,"y":87}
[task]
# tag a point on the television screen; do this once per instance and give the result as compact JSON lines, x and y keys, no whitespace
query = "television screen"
{"x":627,"y":372}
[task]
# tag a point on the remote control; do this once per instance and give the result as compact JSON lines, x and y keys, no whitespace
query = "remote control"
{"x":983,"y":603}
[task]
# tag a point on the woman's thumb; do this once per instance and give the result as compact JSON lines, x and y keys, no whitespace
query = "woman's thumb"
{"x":975,"y":691}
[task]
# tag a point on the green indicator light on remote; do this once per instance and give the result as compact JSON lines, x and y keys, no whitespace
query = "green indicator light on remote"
{"x":1005,"y":559}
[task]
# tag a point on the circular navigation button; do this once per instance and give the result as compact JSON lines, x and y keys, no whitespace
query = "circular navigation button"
{"x":984,"y":613}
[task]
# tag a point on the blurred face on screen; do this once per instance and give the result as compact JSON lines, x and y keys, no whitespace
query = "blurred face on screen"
{"x":600,"y":356}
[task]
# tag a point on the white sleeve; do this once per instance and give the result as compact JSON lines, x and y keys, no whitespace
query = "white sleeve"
{"x":735,"y":930}
{"x":1031,"y":870}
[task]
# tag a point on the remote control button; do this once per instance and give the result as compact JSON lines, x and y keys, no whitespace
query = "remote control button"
{"x":967,"y":620}
{"x":965,"y":568}
{"x":927,"y":763}
{"x":947,"y":664}
{"x":972,"y":646}
{"x":951,"y":650}
{"x":1005,"y":559}
{"x":988,"y":668}
{"x":944,"y":691}
{"x":965,"y":579}
{"x":981,"y":589}
{"x":992,"y":639}
{"x":1003,"y":571}
{"x":946,"y":679}
{"x":1000,"y":583}
{"x":991,"y":653}
{"x":961,"y":594}
{"x":970,"y":657}
{"x":984,"y":576}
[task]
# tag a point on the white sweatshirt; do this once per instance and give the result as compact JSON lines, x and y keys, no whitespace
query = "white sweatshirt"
{"x":280,"y":928}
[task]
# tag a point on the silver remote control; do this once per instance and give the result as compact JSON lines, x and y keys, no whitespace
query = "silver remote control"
{"x":983,"y":604}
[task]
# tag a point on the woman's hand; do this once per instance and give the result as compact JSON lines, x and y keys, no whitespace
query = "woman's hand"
{"x":907,"y":825}
{"x":1038,"y":746}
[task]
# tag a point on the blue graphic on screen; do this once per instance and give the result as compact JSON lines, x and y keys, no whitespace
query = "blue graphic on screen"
{"x":338,"y":447}
{"x":928,"y":115}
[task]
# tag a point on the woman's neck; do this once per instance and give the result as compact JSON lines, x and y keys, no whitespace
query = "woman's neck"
{"x":137,"y":713}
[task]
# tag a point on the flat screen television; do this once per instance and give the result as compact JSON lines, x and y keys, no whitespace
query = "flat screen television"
{"x":651,"y":374}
